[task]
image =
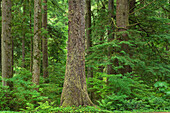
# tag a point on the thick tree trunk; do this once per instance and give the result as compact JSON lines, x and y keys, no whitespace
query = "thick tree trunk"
{"x":23,"y":38}
{"x":75,"y":88}
{"x":36,"y":42}
{"x":45,"y":41}
{"x":110,"y":35}
{"x":6,"y":42}
{"x":122,"y":21}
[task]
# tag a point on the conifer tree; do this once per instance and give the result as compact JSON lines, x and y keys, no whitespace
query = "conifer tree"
{"x":45,"y":41}
{"x":75,"y":88}
{"x":6,"y":42}
{"x":36,"y":42}
{"x":122,"y":21}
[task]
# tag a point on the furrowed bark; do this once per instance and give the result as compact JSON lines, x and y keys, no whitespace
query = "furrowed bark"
{"x":6,"y":42}
{"x":36,"y":42}
{"x":75,"y":88}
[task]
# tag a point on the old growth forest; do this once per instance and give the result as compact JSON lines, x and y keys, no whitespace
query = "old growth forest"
{"x":85,"y":56}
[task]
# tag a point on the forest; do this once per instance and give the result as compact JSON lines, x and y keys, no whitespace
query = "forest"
{"x":85,"y":56}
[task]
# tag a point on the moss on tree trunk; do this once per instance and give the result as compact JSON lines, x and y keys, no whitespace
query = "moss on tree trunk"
{"x":75,"y":88}
{"x":36,"y":42}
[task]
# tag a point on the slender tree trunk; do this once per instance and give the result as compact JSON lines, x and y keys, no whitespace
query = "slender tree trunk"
{"x":36,"y":42}
{"x":31,"y":44}
{"x":89,"y":40}
{"x":122,"y":15}
{"x":110,"y":35}
{"x":6,"y":42}
{"x":23,"y":38}
{"x":11,"y":83}
{"x":75,"y":88}
{"x":122,"y":21}
{"x":88,"y":33}
{"x":0,"y":36}
{"x":45,"y":41}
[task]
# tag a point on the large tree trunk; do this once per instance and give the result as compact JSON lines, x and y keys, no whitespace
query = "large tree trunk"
{"x":122,"y":21}
{"x":45,"y":41}
{"x":6,"y":42}
{"x":36,"y":42}
{"x":110,"y":35}
{"x":75,"y":88}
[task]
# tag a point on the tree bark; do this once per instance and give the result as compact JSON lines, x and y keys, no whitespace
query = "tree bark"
{"x":89,"y":40}
{"x":122,"y":15}
{"x":88,"y":34}
{"x":23,"y":38}
{"x":0,"y":36}
{"x":36,"y":42}
{"x":75,"y":88}
{"x":31,"y":44}
{"x":6,"y":42}
{"x":45,"y":41}
{"x":122,"y":21}
{"x":110,"y":35}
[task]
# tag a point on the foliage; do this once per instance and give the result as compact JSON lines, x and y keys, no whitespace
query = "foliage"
{"x":49,"y":107}
{"x":126,"y":94}
{"x":22,"y":93}
{"x":145,"y":88}
{"x":56,"y":80}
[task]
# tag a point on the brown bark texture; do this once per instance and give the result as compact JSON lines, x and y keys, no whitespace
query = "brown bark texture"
{"x":45,"y":41}
{"x":6,"y":42}
{"x":0,"y":35}
{"x":89,"y":41}
{"x":88,"y":34}
{"x":36,"y":42}
{"x":122,"y":22}
{"x":23,"y":38}
{"x":31,"y":44}
{"x":122,"y":14}
{"x":75,"y":88}
{"x":110,"y":69}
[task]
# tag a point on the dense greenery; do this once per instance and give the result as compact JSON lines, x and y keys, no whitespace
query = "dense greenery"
{"x":146,"y":88}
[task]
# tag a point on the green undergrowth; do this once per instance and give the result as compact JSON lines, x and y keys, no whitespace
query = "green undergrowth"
{"x":48,"y":108}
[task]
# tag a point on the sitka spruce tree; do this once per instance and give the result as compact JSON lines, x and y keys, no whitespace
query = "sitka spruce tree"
{"x":122,"y":22}
{"x":75,"y":88}
{"x":45,"y":41}
{"x":6,"y":42}
{"x":36,"y":42}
